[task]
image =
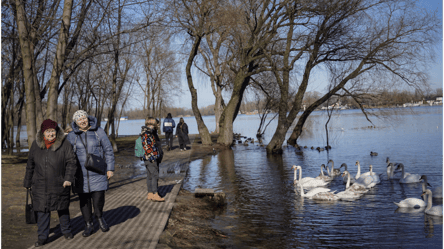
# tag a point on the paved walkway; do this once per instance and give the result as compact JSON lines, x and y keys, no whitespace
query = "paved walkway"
{"x":134,"y":221}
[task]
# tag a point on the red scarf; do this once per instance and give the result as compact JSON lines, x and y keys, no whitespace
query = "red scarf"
{"x":49,"y":143}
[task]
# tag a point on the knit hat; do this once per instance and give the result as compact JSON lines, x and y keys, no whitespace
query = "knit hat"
{"x":78,"y":114}
{"x":48,"y":124}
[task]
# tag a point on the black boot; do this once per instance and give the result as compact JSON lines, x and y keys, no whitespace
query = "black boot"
{"x":103,"y":225}
{"x":89,"y":229}
{"x":40,"y":242}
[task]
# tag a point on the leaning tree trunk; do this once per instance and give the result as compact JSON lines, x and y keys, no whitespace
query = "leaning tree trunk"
{"x":230,"y":111}
{"x":203,"y":130}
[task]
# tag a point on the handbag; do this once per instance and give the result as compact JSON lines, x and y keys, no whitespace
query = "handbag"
{"x":94,"y":163}
{"x":31,"y":215}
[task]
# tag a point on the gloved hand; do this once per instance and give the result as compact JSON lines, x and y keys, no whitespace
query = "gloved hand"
{"x":66,"y":184}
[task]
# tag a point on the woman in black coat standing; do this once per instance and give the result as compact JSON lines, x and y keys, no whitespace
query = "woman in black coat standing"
{"x":49,"y":173}
{"x":182,"y":134}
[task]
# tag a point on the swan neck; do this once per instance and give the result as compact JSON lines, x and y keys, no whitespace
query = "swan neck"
{"x":300,"y":174}
{"x":359,"y":171}
{"x":348,"y":181}
{"x":429,"y":200}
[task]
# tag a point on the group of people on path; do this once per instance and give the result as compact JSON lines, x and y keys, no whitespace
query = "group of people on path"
{"x":56,"y":164}
{"x":181,"y":132}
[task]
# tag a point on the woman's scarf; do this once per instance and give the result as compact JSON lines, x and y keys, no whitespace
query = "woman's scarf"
{"x":49,"y":143}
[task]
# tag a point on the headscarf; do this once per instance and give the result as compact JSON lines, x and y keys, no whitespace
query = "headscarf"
{"x":78,"y":114}
{"x":181,"y":122}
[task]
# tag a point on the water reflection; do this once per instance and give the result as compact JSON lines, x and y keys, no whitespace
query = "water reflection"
{"x":266,"y":211}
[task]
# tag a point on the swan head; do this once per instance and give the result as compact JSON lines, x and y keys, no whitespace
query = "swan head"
{"x":387,"y":160}
{"x":424,"y":178}
{"x":330,"y":161}
{"x":357,"y":163}
{"x":370,"y":168}
{"x":427,"y":192}
{"x":345,"y":173}
{"x":344,"y":165}
{"x":400,"y":166}
{"x":323,"y":166}
{"x":295,"y":167}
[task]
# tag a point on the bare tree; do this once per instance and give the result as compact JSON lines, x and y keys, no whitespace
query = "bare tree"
{"x":195,"y":18}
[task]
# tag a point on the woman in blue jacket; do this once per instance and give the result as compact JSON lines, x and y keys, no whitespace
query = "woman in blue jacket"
{"x":89,"y":137}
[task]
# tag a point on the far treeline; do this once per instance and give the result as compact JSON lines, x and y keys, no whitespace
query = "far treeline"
{"x":61,"y":56}
{"x":386,"y":100}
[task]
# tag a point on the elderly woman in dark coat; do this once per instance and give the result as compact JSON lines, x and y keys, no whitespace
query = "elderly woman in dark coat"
{"x":182,"y":134}
{"x":49,"y":173}
{"x":88,"y":137}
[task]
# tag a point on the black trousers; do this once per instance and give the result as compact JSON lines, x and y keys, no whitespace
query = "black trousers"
{"x":43,"y":219}
{"x":169,"y":139}
{"x":97,"y":199}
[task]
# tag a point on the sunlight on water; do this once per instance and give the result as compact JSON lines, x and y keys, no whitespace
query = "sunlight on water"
{"x":265,"y":210}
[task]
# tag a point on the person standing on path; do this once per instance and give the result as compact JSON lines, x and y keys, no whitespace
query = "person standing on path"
{"x":168,"y":128}
{"x":89,"y":138}
{"x":152,"y":158}
{"x":49,"y":173}
{"x":182,"y":134}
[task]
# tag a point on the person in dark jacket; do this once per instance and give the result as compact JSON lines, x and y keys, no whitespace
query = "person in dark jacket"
{"x":152,"y":158}
{"x":88,"y":137}
{"x":182,"y":134}
{"x":168,"y":128}
{"x":49,"y":173}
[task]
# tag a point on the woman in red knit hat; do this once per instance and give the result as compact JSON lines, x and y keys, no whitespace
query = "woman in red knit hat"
{"x":49,"y":173}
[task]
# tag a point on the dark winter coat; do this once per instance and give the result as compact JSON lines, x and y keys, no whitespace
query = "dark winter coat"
{"x":47,"y":170}
{"x":168,"y":125}
{"x":182,"y":133}
{"x":98,"y":144}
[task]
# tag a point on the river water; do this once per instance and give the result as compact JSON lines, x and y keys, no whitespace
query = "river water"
{"x":265,"y":211}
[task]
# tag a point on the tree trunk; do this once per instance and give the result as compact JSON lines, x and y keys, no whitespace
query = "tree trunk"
{"x":53,"y":93}
{"x":27,"y":72}
{"x":203,"y":130}
{"x":19,"y":122}
{"x":231,"y":110}
{"x":297,"y":131}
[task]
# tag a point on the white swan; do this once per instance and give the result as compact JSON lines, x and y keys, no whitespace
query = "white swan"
{"x":407,"y":177}
{"x":437,"y":192}
{"x":333,"y":172}
{"x":313,"y":192}
{"x":411,"y":202}
{"x":432,"y":210}
{"x":356,"y":187}
{"x":345,"y":178}
{"x":322,"y":176}
{"x":348,"y":194}
{"x":358,"y":174}
{"x":307,"y":182}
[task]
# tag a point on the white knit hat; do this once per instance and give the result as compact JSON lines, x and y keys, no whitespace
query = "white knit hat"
{"x":78,"y":114}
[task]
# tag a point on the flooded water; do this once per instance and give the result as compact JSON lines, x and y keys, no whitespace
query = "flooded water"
{"x":265,"y":211}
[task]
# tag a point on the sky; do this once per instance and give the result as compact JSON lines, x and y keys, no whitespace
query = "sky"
{"x":206,"y":97}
